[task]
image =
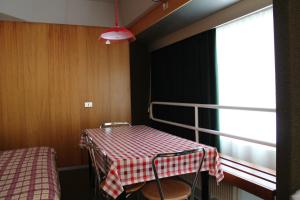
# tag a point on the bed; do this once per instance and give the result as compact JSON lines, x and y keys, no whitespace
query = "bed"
{"x":29,"y":174}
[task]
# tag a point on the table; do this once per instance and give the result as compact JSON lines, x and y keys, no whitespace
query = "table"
{"x":126,"y":153}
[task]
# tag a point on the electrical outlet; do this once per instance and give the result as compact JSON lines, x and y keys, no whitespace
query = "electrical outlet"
{"x":88,"y":104}
{"x":165,"y":5}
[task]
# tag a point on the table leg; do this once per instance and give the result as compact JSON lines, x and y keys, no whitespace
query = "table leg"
{"x":91,"y":173}
{"x":205,"y":186}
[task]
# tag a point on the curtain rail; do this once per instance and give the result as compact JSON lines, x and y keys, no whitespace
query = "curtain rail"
{"x":196,"y":128}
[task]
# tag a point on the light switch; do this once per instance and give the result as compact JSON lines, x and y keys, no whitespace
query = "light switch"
{"x":88,"y":104}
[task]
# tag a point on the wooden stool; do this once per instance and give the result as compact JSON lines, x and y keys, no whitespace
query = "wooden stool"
{"x":133,"y":188}
{"x":172,"y":189}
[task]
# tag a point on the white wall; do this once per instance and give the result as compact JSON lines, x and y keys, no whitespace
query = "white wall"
{"x":79,"y":12}
{"x":237,"y":10}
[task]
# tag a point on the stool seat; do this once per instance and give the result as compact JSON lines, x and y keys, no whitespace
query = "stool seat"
{"x":172,"y":189}
{"x":134,"y":187}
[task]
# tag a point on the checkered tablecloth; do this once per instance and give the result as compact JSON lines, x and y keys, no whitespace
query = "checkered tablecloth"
{"x":126,"y":154}
{"x":29,"y":174}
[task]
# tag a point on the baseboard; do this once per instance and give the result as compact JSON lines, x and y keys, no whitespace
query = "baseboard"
{"x":61,"y":169}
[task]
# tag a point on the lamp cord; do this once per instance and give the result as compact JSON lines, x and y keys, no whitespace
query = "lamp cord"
{"x":116,"y":13}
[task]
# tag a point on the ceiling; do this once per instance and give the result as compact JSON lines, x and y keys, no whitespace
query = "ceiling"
{"x":77,"y":12}
{"x":108,"y":1}
{"x":190,"y":13}
{"x":101,"y":13}
{"x":5,"y":17}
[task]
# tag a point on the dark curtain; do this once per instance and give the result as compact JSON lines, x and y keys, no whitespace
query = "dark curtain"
{"x":140,"y":82}
{"x":186,"y":72}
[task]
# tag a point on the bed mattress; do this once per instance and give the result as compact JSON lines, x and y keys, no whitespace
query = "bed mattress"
{"x":29,"y":174}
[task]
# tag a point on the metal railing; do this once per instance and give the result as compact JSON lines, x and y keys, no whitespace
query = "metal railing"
{"x":196,"y":127}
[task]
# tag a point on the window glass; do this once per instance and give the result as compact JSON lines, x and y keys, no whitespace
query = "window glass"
{"x":246,"y":77}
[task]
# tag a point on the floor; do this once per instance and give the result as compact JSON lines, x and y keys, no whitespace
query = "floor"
{"x":75,"y":186}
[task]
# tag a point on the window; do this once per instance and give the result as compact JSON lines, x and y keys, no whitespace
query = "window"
{"x":246,"y":77}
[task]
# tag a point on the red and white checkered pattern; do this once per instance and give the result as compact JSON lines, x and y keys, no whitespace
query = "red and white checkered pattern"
{"x":130,"y":151}
{"x":29,"y":174}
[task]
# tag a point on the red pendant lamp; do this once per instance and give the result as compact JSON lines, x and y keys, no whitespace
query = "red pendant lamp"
{"x":116,"y":33}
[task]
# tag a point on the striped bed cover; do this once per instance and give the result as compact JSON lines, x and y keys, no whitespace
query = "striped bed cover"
{"x":27,"y":174}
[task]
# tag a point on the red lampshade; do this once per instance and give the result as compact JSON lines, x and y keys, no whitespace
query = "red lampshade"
{"x":116,"y":33}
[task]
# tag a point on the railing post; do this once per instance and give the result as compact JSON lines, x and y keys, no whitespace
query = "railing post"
{"x":198,"y":129}
{"x":196,"y":124}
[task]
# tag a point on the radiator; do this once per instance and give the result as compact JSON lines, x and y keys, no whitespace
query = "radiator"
{"x":223,"y":191}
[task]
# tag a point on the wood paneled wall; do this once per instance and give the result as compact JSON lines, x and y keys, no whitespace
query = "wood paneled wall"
{"x":47,"y":72}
